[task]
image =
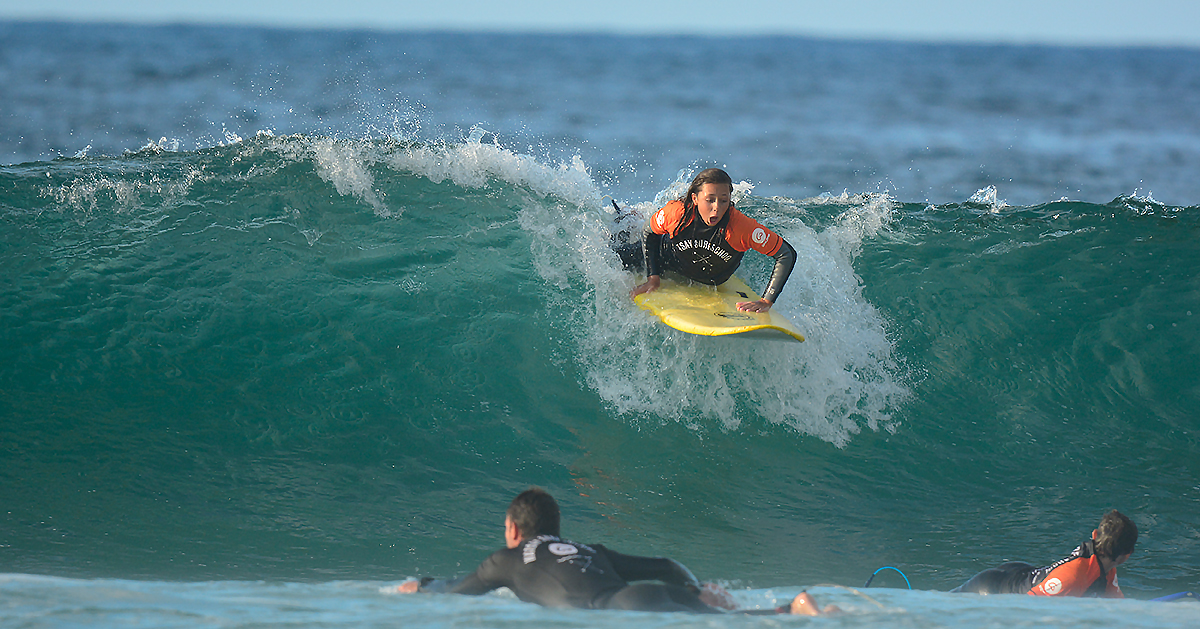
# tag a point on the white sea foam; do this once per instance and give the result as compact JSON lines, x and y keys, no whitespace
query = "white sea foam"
{"x":473,"y":162}
{"x":842,"y":379}
{"x":350,"y":166}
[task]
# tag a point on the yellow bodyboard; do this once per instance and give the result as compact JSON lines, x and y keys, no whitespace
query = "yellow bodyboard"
{"x":712,"y":310}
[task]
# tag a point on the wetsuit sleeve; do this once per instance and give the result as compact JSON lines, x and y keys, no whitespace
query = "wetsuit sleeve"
{"x":744,"y":233}
{"x":651,"y":246}
{"x":785,"y":261}
{"x":659,"y":226}
{"x":431,"y":585}
{"x":635,"y":568}
{"x":489,"y":576}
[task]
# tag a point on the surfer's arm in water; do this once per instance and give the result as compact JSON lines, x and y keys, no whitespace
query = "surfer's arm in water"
{"x":495,"y":572}
{"x":470,"y":585}
{"x":440,"y":586}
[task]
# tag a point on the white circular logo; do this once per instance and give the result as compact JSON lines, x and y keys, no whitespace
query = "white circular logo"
{"x":1052,"y":587}
{"x":659,"y":218}
{"x":562,"y":550}
{"x":759,"y":235}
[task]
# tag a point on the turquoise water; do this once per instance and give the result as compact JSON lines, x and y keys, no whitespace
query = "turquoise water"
{"x":295,"y":358}
{"x":255,"y":378}
{"x":56,"y":602}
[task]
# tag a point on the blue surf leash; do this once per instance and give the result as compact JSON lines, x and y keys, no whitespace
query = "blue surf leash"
{"x":868,"y":584}
{"x":1181,"y":596}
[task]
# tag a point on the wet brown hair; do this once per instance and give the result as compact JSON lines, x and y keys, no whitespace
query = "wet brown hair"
{"x":708,"y":175}
{"x":1116,"y":535}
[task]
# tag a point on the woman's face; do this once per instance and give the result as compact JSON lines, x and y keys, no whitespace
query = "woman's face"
{"x":712,"y":202}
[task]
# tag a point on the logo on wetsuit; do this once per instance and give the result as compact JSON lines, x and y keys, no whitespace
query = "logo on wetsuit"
{"x":684,"y":246}
{"x":759,"y":236}
{"x":562,"y":549}
{"x":1052,"y":586}
{"x":570,"y":554}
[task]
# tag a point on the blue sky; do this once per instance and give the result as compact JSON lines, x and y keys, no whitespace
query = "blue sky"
{"x":1071,"y":22}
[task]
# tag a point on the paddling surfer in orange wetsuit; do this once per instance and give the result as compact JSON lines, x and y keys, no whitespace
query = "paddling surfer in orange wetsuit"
{"x":541,"y":567}
{"x":1090,"y":570}
{"x":703,"y":238}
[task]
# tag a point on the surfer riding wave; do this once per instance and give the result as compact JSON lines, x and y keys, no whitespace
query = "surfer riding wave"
{"x":703,"y":237}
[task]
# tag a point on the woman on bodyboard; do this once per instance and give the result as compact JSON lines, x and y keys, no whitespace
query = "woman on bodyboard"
{"x":703,"y":238}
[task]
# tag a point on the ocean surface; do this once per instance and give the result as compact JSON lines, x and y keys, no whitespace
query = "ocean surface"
{"x":287,"y":317}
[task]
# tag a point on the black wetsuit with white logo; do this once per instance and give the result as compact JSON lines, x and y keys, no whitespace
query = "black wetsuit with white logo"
{"x":554,"y":572}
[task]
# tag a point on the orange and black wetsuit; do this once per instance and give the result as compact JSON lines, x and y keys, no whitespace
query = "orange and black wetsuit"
{"x":676,"y":239}
{"x":1078,"y":574}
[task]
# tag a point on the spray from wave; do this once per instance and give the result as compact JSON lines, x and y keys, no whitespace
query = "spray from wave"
{"x":844,"y":378}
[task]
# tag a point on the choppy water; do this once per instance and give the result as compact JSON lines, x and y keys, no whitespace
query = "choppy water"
{"x":250,"y":376}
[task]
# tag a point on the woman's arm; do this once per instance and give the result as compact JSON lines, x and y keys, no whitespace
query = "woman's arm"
{"x":651,"y":246}
{"x":785,"y":260}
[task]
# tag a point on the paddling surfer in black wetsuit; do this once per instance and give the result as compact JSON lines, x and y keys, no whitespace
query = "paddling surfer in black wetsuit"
{"x":540,"y":567}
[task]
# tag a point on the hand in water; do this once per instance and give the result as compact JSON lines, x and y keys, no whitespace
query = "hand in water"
{"x":651,"y":284}
{"x":805,"y":605}
{"x":714,"y":595}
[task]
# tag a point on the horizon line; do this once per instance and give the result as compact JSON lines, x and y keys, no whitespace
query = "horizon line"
{"x":614,"y":31}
